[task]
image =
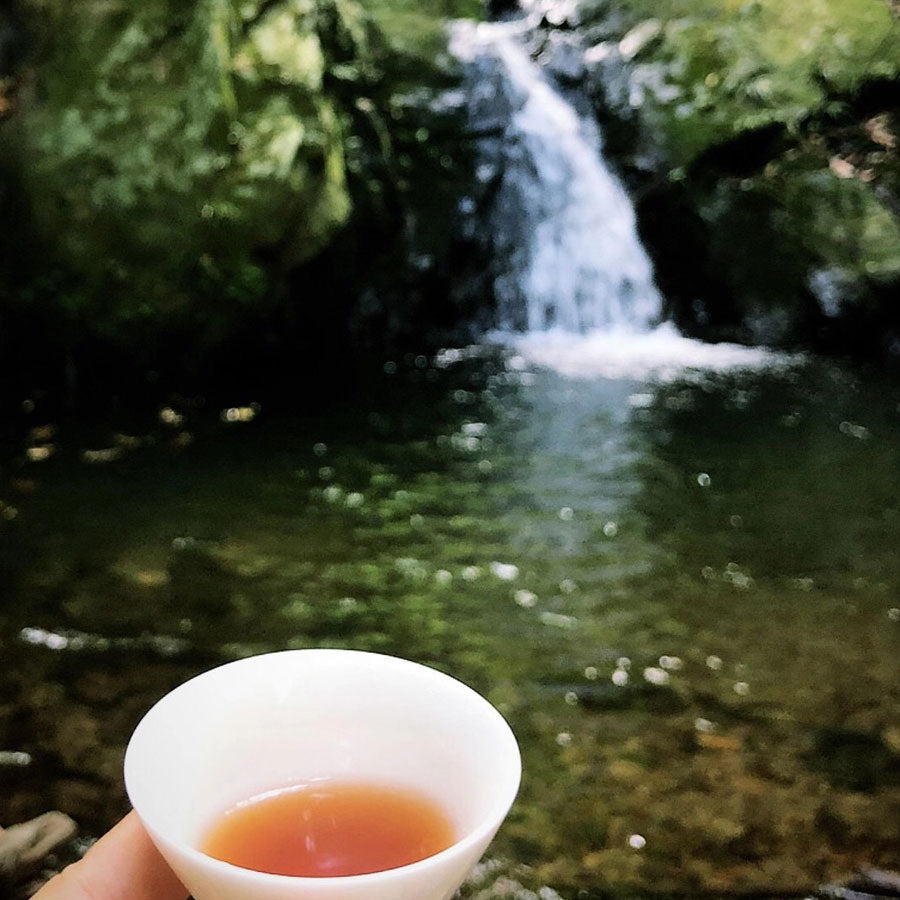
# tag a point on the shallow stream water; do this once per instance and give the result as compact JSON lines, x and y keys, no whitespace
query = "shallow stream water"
{"x":682,"y":593}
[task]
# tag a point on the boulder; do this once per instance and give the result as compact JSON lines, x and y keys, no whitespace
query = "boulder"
{"x":179,"y":161}
{"x":24,"y":846}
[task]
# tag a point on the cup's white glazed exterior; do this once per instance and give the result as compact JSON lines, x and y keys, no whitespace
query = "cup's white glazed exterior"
{"x":287,"y":718}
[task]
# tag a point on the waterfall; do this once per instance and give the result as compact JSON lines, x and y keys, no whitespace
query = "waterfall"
{"x":573,"y":286}
{"x":567,"y":252}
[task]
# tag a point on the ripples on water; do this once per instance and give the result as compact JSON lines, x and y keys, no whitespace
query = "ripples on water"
{"x":681,"y":587}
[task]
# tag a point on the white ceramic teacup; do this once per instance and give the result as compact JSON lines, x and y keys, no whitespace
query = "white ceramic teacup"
{"x":286,"y":718}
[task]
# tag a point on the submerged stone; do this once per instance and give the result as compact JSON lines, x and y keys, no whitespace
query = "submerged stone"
{"x":854,"y":760}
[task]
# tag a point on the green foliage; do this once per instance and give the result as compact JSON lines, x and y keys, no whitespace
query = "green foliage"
{"x":176,"y":162}
{"x":416,"y":27}
{"x":182,"y":156}
{"x":842,"y":221}
{"x":727,"y":67}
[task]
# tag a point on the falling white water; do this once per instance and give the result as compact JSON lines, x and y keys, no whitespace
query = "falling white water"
{"x":573,"y":284}
{"x":662,"y":354}
{"x":565,"y":222}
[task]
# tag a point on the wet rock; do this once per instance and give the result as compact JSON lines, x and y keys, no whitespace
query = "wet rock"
{"x":606,"y":696}
{"x":878,"y":881}
{"x":199,"y":578}
{"x":555,"y":13}
{"x":771,"y":327}
{"x":100,"y":688}
{"x":7,"y":715}
{"x":496,"y":8}
{"x":788,"y":195}
{"x":12,"y":40}
{"x":604,"y":22}
{"x":76,"y":738}
{"x":834,"y":289}
{"x":23,"y":846}
{"x":743,"y":155}
{"x":563,"y":57}
{"x":640,"y":39}
{"x":608,"y":78}
{"x":599,"y":53}
{"x":867,"y":884}
{"x":124,"y":597}
{"x":47,"y":696}
{"x":226,"y":114}
{"x":96,"y":807}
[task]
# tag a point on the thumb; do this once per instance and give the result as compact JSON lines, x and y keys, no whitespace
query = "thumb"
{"x":122,"y":865}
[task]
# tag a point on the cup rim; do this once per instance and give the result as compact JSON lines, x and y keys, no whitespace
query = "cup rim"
{"x":489,"y":823}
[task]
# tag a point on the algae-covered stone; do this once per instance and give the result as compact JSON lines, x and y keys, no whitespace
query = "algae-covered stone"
{"x":181,"y":183}
{"x":842,"y":219}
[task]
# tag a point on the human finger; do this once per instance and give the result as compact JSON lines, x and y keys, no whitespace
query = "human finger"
{"x":123,"y":865}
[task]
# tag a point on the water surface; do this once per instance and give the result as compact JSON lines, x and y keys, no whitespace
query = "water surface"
{"x":683,"y":593}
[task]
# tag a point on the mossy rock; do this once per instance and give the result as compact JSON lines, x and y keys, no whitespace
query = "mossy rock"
{"x":767,"y":137}
{"x":178,"y":158}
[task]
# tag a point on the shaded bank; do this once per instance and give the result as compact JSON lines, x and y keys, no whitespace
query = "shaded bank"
{"x":237,"y":197}
{"x":220,"y":192}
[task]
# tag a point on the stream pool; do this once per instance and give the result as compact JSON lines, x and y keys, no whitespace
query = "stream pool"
{"x":684,"y":594}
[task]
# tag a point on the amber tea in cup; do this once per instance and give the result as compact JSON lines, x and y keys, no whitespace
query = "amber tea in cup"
{"x":329,"y":829}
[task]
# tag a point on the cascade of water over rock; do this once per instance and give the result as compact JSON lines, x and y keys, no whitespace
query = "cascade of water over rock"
{"x":567,"y":254}
{"x":572,"y":284}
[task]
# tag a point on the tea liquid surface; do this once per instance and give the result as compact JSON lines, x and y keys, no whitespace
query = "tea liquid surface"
{"x":330,"y":829}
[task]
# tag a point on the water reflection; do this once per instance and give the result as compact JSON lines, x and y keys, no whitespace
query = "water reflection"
{"x":682,"y":594}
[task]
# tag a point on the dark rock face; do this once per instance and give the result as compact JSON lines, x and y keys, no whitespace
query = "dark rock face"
{"x":10,"y":43}
{"x":498,"y":228}
{"x":497,"y":8}
{"x":149,"y":133}
{"x":165,"y":170}
{"x":854,"y":760}
{"x":563,"y":57}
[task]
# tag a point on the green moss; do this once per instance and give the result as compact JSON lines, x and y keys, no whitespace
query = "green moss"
{"x":776,"y":126}
{"x":843,"y":222}
{"x":728,"y":67}
{"x":416,"y":27}
{"x":179,"y":161}
{"x":169,"y":145}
